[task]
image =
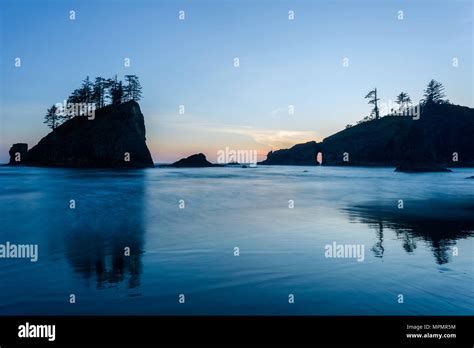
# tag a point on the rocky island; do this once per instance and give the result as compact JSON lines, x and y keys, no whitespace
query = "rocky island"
{"x":194,"y":161}
{"x":115,"y":138}
{"x":88,"y":133}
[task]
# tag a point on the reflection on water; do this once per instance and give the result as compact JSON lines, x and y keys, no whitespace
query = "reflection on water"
{"x":105,"y":240}
{"x":104,"y":258}
{"x":439,"y":232}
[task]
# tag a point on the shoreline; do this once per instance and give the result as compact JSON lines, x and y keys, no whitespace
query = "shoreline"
{"x":169,"y":165}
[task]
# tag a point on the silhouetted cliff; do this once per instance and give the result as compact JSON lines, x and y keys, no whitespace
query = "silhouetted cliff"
{"x":115,"y":138}
{"x":442,"y":136}
{"x":300,"y":154}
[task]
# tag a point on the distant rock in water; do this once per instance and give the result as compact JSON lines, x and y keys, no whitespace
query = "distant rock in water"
{"x":415,"y":167}
{"x":300,"y":154}
{"x":114,"y":138}
{"x":18,"y":154}
{"x":193,"y":161}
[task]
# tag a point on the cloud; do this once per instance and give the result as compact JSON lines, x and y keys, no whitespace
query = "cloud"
{"x":275,"y":139}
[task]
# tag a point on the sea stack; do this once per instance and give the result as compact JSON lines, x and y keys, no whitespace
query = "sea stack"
{"x":113,"y":138}
{"x":18,"y":154}
{"x":194,"y":161}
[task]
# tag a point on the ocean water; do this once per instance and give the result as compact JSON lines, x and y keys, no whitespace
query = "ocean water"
{"x":423,"y":252}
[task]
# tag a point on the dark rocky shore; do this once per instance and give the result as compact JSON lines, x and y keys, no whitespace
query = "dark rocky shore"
{"x":442,"y":137}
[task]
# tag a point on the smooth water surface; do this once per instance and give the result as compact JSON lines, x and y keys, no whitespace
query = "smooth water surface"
{"x":423,"y":251}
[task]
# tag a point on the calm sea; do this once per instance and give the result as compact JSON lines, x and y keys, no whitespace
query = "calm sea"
{"x":184,"y":227}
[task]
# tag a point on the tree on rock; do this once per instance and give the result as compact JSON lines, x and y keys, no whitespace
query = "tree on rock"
{"x":99,"y":92}
{"x":116,"y":91}
{"x":133,"y":89}
{"x":372,"y":96}
{"x":403,"y":99}
{"x":86,"y":91}
{"x":52,"y":117}
{"x":79,"y":100}
{"x":434,"y":93}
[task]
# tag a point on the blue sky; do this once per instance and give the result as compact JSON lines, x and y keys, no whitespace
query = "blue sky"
{"x":190,"y":63}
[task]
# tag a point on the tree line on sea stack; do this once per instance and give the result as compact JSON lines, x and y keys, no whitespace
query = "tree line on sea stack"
{"x":97,"y":94}
{"x":434,"y":94}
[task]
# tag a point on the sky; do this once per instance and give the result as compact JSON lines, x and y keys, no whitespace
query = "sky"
{"x":283,"y":64}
